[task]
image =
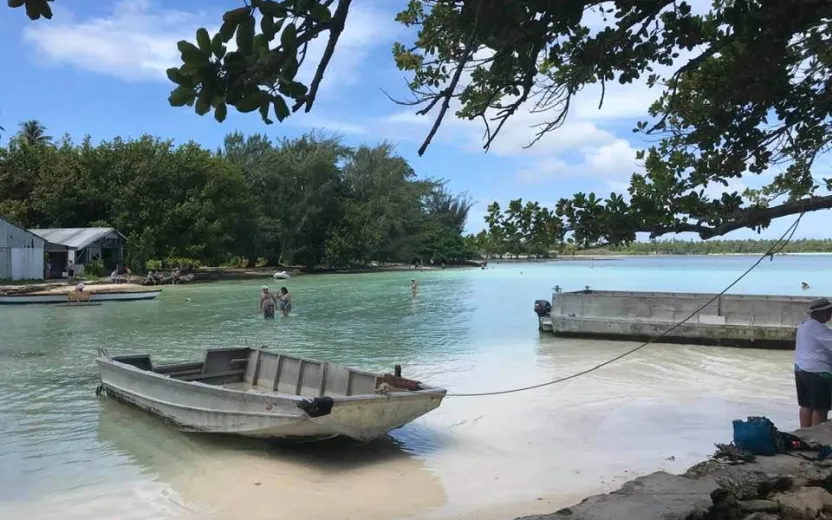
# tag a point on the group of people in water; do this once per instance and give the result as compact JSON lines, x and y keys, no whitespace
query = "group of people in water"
{"x":269,"y":300}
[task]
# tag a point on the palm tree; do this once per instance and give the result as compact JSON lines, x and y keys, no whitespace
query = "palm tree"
{"x":33,"y":132}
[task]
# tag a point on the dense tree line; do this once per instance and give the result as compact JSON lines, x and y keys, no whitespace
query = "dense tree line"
{"x":717,"y":247}
{"x":521,"y":229}
{"x":308,"y":201}
{"x":531,"y":231}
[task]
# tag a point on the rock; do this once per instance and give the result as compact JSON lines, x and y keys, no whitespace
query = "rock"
{"x":761,"y":516}
{"x":658,"y":496}
{"x":759,"y":506}
{"x":806,"y":503}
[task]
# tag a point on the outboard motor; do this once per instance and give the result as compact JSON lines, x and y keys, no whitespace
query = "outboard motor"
{"x":542,"y":308}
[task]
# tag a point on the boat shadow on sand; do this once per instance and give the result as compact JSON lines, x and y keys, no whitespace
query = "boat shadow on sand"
{"x":154,"y":444}
{"x":219,"y":475}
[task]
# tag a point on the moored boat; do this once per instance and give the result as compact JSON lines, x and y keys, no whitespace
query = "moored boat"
{"x":95,"y":296}
{"x":282,"y":275}
{"x":253,"y":392}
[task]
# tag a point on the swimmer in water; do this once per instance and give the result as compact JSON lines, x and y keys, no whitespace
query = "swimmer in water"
{"x":414,"y":287}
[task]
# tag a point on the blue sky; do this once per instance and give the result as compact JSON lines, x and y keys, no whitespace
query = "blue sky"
{"x":98,"y":68}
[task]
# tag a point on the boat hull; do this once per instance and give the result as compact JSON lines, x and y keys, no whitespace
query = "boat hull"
{"x":199,"y":407}
{"x":95,"y":297}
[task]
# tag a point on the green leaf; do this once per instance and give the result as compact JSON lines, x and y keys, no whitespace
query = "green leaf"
{"x":16,"y":3}
{"x":245,"y":36}
{"x":175,"y":76}
{"x":227,"y":30}
{"x":203,"y":40}
{"x":181,"y":96}
{"x":203,"y":102}
{"x":260,"y":46}
{"x":289,"y":69}
{"x":251,"y":102}
{"x":320,"y":13}
{"x":274,"y":9}
{"x":264,"y":111}
{"x":221,"y":112}
{"x":289,"y":39}
{"x":294,"y":89}
{"x":280,"y":108}
{"x":267,"y":27}
{"x":217,"y":47}
{"x":191,"y":53}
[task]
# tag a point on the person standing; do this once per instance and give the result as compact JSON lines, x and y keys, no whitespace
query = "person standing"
{"x":70,"y":269}
{"x":285,"y":301}
{"x":267,"y":302}
{"x":813,"y":364}
{"x":414,"y":287}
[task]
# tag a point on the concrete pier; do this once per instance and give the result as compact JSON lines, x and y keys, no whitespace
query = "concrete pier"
{"x":731,"y":320}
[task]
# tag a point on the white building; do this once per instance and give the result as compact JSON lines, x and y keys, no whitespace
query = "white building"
{"x":21,"y":253}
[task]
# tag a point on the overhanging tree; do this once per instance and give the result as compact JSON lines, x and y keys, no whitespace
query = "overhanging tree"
{"x":755,"y":95}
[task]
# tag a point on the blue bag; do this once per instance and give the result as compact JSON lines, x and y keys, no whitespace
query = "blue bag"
{"x":757,"y":435}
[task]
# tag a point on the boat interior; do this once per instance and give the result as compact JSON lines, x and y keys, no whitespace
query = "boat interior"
{"x":258,"y":370}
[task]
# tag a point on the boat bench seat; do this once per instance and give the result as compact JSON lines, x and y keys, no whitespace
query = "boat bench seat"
{"x":200,"y":375}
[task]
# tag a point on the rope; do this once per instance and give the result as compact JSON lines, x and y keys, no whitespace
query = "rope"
{"x":776,"y":248}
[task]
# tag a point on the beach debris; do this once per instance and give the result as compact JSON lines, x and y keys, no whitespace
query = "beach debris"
{"x":731,"y":454}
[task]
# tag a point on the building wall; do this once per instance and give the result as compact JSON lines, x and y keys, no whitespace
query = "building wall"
{"x":5,"y":263}
{"x":21,"y":253}
{"x":26,"y":263}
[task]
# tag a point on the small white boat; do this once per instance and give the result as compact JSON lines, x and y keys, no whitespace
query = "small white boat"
{"x":253,"y":392}
{"x":282,"y":275}
{"x":145,"y":294}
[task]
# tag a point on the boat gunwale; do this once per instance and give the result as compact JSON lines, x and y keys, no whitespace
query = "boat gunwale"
{"x":122,"y":390}
{"x":51,"y":298}
{"x":219,"y":390}
{"x":688,"y":295}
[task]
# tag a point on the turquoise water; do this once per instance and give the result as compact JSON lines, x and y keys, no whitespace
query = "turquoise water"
{"x":67,"y":454}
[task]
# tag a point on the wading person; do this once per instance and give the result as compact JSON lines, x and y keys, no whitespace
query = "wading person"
{"x":813,"y":364}
{"x":414,"y":288}
{"x":267,"y":301}
{"x":285,"y":301}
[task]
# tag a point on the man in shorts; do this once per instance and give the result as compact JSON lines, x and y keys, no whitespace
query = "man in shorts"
{"x":813,"y":364}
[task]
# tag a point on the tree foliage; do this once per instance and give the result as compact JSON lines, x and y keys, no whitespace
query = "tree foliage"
{"x":716,"y":247}
{"x":304,"y":201}
{"x":521,"y":229}
{"x":748,"y":90}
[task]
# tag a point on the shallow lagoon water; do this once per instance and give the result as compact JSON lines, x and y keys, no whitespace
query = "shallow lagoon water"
{"x":66,"y":454}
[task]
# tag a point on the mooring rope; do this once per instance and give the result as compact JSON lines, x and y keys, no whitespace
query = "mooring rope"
{"x":777,"y":247}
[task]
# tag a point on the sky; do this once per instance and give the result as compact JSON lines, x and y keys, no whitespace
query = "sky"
{"x":98,"y":69}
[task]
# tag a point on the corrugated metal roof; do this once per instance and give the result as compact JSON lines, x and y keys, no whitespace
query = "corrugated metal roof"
{"x":73,"y":238}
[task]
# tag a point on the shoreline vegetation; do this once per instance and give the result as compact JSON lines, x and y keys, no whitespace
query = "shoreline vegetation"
{"x":253,"y":202}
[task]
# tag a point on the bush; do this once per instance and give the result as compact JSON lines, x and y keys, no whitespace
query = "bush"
{"x":94,"y":268}
{"x":182,"y":263}
{"x":153,"y":265}
{"x":261,"y":262}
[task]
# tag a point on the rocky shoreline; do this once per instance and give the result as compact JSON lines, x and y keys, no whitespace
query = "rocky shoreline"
{"x":783,"y":487}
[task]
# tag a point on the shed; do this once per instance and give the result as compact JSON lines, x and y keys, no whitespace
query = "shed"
{"x":80,"y":246}
{"x":21,"y":253}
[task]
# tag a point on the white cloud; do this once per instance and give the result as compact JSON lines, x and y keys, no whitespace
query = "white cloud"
{"x":137,"y":41}
{"x":133,"y":43}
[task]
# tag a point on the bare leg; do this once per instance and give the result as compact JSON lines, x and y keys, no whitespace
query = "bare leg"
{"x":819,"y":416}
{"x":805,"y":417}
